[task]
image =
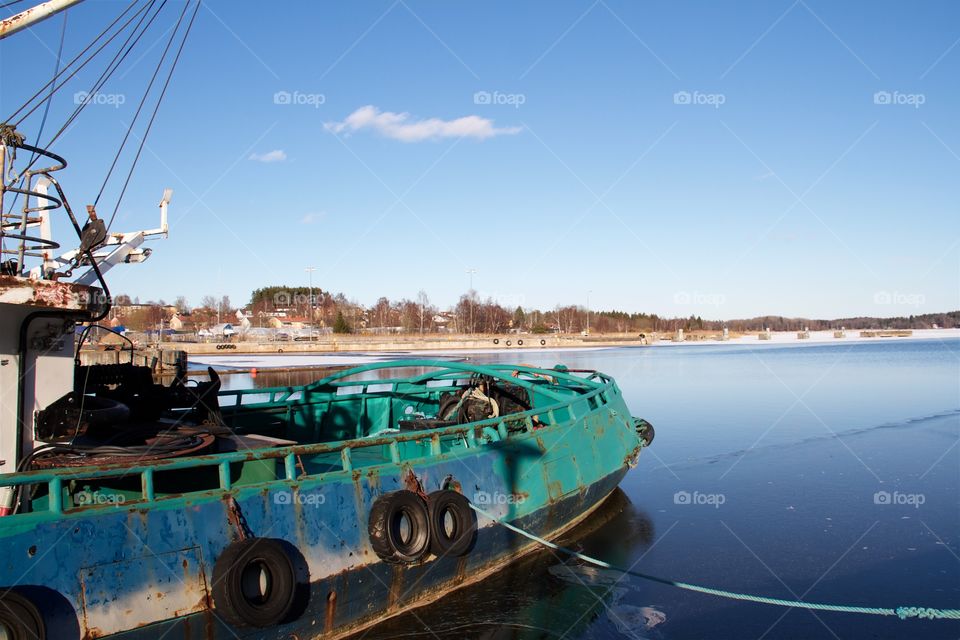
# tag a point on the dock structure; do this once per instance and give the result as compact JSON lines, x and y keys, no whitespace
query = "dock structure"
{"x":764,"y":335}
{"x":887,"y":333}
{"x":840,"y":333}
{"x":804,"y":334}
{"x":160,"y":361}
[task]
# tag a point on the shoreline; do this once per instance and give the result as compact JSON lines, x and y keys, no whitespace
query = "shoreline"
{"x":241,"y":361}
{"x":406,"y":344}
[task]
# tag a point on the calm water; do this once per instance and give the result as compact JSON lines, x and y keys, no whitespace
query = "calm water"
{"x":827,"y":473}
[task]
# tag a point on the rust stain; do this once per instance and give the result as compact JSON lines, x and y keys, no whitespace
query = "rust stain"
{"x":540,"y":445}
{"x":410,"y":481}
{"x":396,"y":586}
{"x":331,"y":611}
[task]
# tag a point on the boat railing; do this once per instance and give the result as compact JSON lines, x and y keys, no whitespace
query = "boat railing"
{"x":474,"y":434}
{"x":448,"y":371}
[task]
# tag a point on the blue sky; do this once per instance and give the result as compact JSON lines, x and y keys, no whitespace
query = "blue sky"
{"x":725,"y":160}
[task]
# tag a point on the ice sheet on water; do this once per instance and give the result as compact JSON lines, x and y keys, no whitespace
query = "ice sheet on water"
{"x":630,"y":620}
{"x":586,"y":575}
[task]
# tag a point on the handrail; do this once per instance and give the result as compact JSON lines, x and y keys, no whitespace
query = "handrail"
{"x":446,"y":368}
{"x":523,"y":420}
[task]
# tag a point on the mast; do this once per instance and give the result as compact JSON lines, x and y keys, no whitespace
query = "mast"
{"x":33,"y":15}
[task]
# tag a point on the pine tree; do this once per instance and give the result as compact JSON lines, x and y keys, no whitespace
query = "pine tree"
{"x":340,"y":325}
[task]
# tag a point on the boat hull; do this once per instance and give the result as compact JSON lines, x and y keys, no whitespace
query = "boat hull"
{"x":115,"y":570}
{"x":399,"y":588}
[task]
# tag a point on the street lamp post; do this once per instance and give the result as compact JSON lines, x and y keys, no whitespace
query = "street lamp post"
{"x":588,"y":311}
{"x":310,"y":271}
{"x":470,"y":272}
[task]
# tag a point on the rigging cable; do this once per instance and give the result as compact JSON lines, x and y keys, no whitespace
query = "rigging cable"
{"x":112,"y":66}
{"x":156,"y":108}
{"x":70,"y":64}
{"x":46,"y":111}
{"x":103,"y":77}
{"x":902,"y":612}
{"x":143,"y":101}
{"x":46,"y":108}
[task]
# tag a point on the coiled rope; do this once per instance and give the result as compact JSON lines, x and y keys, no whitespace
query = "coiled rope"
{"x":904,"y":613}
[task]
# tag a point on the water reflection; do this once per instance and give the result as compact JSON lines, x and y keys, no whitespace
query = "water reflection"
{"x":543,"y":595}
{"x":800,"y":442}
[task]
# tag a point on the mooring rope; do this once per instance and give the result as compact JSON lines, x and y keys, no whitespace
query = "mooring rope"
{"x":904,"y":613}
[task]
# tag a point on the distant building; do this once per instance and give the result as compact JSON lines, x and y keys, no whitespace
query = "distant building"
{"x":222,"y":330}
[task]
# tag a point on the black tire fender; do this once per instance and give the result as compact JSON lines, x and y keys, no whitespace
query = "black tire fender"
{"x":20,"y":618}
{"x":508,"y":343}
{"x":453,"y":524}
{"x":385,"y":527}
{"x":519,"y":343}
{"x":496,"y":341}
{"x":543,"y":342}
{"x":645,"y":431}
{"x":254,"y":583}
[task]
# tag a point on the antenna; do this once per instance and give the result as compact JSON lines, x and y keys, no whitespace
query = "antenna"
{"x":164,"y":201}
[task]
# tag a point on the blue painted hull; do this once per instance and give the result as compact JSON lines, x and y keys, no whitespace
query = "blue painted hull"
{"x":114,"y":570}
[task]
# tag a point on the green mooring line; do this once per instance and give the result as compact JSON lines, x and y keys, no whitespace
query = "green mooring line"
{"x":903,"y":613}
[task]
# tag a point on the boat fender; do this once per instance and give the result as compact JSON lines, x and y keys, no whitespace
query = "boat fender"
{"x":453,"y":524}
{"x":254,"y":584}
{"x":496,"y":341}
{"x":399,"y":527}
{"x":508,"y":343}
{"x":20,"y":618}
{"x":543,"y":342}
{"x":644,"y":430}
{"x":519,"y":343}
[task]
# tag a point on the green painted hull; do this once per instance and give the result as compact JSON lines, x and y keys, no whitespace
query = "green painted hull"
{"x":145,"y":567}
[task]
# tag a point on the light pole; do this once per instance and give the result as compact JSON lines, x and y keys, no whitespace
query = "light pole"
{"x":471,"y":272}
{"x":310,"y":271}
{"x":589,"y":291}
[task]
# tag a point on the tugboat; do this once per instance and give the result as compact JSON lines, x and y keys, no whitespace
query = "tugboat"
{"x":131,"y":509}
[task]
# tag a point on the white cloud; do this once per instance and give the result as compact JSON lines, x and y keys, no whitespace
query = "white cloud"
{"x":400,"y":126}
{"x":310,"y":218}
{"x":277,"y":155}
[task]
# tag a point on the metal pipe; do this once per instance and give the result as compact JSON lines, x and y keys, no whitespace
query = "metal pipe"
{"x":33,"y":15}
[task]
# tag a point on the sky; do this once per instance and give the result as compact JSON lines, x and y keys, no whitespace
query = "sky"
{"x":796,"y":158}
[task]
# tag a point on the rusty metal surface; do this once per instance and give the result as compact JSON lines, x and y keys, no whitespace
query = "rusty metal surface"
{"x":550,"y":479}
{"x":49,"y":294}
{"x":28,"y":17}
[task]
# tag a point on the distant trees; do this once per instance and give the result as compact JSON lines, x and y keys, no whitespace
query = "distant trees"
{"x":519,"y":318}
{"x":340,"y":325}
{"x":473,"y":315}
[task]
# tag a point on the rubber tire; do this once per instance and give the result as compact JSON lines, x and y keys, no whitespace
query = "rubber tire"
{"x":384,"y":524}
{"x":543,"y":343}
{"x":464,"y":521}
{"x":496,"y":341}
{"x":21,"y":617}
{"x":229,"y":572}
{"x":647,"y":434}
{"x":508,"y":343}
{"x":519,"y":343}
